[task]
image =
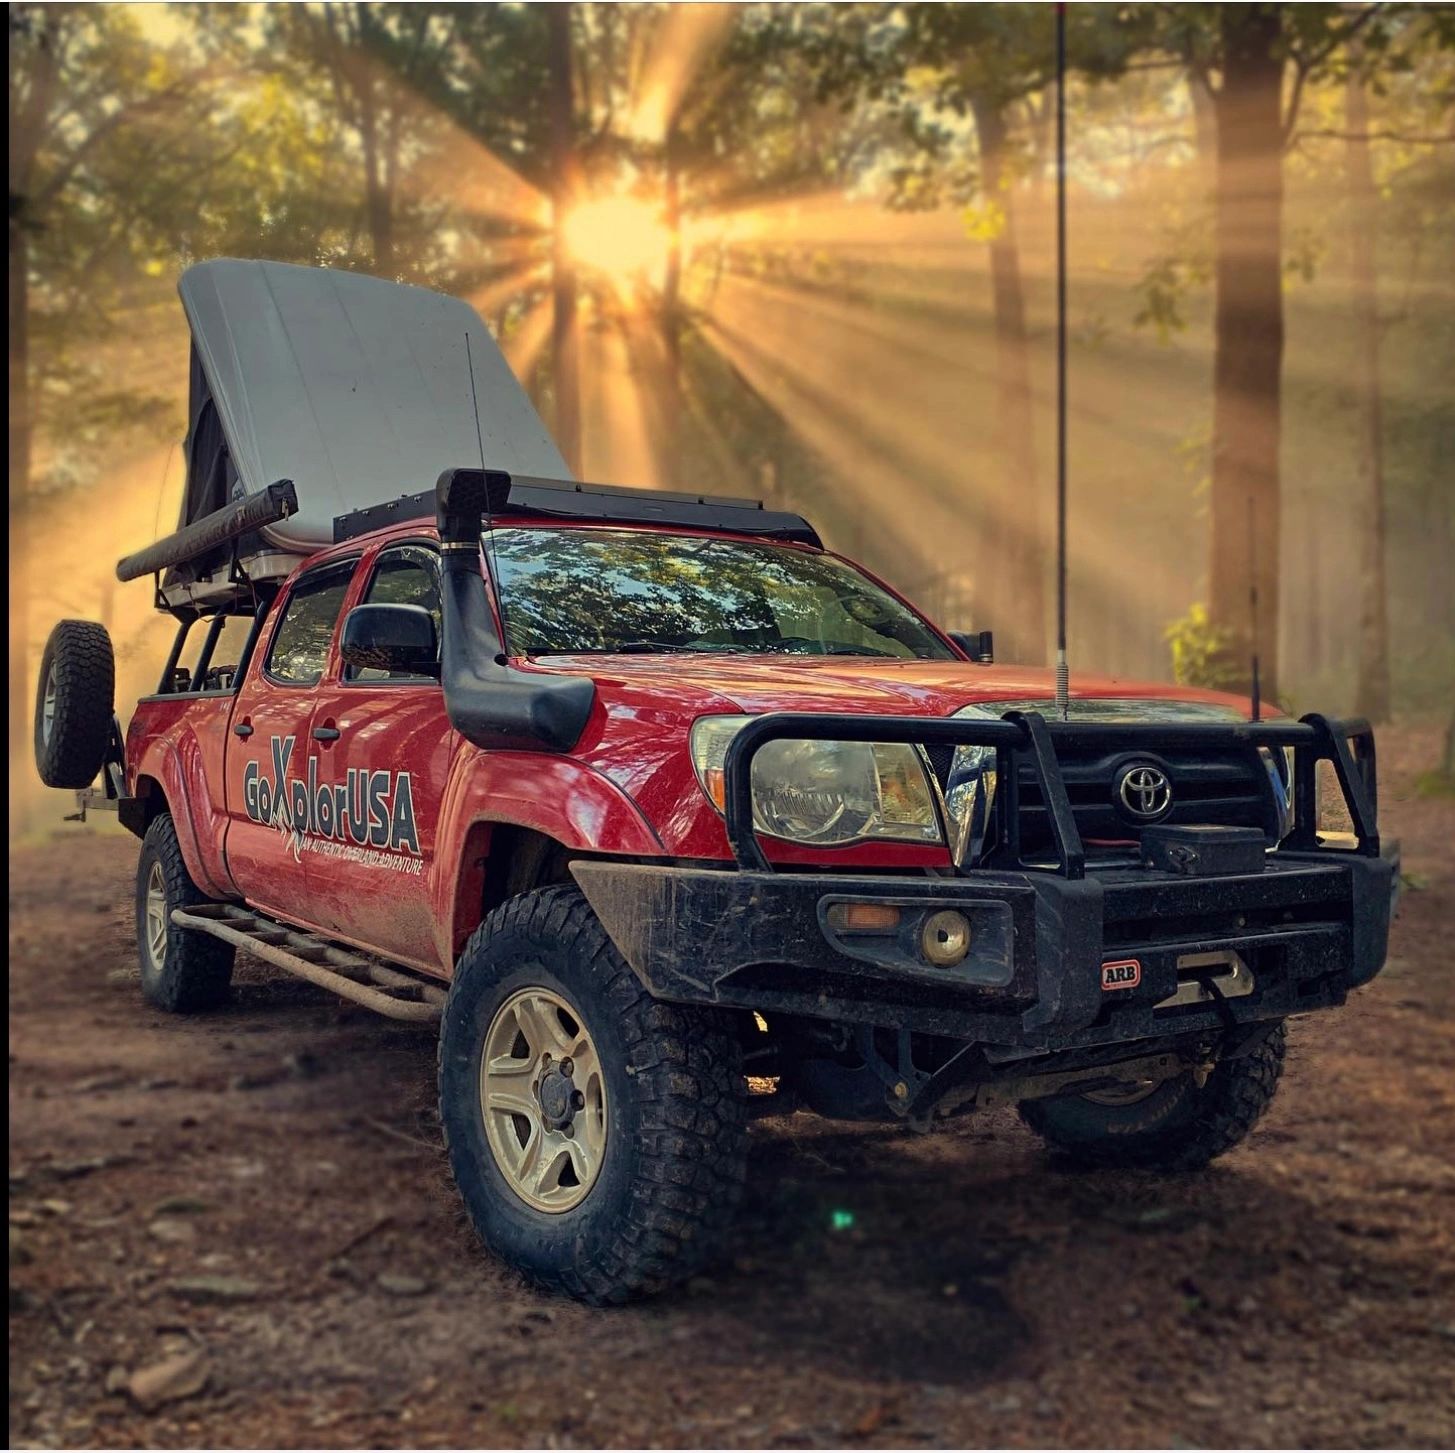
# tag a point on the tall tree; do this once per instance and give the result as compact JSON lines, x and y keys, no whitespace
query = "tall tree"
{"x":1253,"y":63}
{"x":933,"y":67}
{"x":1248,"y":333}
{"x":1372,"y":689}
{"x":565,"y":191}
{"x":507,"y":78}
{"x":367,"y":64}
{"x":104,"y":140}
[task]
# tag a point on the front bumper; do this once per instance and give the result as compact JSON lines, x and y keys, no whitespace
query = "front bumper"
{"x":1309,"y":926}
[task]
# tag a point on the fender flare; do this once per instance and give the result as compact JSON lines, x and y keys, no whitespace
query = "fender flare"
{"x":559,"y":797}
{"x":162,"y":764}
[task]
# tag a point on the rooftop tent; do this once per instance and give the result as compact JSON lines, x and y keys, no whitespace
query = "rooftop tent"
{"x":356,"y":389}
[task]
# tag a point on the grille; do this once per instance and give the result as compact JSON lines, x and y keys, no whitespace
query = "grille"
{"x":1228,"y":789}
{"x":942,"y":758}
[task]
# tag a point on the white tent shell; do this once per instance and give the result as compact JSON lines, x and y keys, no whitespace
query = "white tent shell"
{"x":356,"y":389}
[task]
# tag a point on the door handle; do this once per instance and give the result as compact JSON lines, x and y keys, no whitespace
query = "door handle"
{"x":242,"y":729}
{"x":326,"y":734}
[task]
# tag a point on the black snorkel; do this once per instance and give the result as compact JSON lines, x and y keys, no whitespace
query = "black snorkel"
{"x":487,"y":701}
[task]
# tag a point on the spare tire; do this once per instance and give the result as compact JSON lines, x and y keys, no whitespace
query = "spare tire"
{"x":74,"y":704}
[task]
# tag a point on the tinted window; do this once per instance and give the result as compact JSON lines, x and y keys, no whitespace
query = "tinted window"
{"x":622,"y":590}
{"x":407,"y":575}
{"x":300,"y":646}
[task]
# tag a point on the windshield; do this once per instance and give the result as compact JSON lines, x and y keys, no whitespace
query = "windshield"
{"x":570,"y":591}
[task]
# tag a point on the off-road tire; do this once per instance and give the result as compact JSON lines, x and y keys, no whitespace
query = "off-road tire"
{"x":676,"y":1145}
{"x":195,"y":972}
{"x":79,"y":666}
{"x":1179,"y":1127}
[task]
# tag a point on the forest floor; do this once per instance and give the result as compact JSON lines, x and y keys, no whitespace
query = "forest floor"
{"x":258,"y":1197}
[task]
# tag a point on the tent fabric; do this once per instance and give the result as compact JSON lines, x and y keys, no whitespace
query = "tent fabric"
{"x":211,"y":478}
{"x":356,"y":389}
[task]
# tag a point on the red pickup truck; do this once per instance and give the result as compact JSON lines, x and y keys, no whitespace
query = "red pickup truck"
{"x":670,"y":816}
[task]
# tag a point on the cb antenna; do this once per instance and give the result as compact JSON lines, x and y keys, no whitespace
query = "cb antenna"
{"x":1063,"y":670}
{"x":1253,"y":607}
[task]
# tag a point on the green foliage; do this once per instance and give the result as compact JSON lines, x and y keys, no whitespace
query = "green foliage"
{"x":1199,"y":650}
{"x":1163,"y":289}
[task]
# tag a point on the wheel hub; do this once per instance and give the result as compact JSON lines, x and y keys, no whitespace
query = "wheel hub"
{"x":556,"y":1095}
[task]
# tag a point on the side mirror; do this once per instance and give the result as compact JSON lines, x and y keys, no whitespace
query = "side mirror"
{"x":977,"y":645}
{"x":391,"y":638}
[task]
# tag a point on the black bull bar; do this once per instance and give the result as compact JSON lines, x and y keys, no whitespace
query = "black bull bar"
{"x":1310,"y":923}
{"x":1027,"y":737}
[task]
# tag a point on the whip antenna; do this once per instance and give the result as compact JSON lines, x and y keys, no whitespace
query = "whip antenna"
{"x":1253,"y":607}
{"x":1063,"y":670}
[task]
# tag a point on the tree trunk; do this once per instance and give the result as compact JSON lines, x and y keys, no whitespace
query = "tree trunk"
{"x":19,"y":461}
{"x":671,"y":311}
{"x":376,"y":196}
{"x":1016,"y":606}
{"x":564,"y":340}
{"x":1248,"y":341}
{"x":1204,"y":127}
{"x":1371,"y":698}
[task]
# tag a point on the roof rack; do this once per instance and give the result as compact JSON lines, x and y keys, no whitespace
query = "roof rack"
{"x":605,"y":503}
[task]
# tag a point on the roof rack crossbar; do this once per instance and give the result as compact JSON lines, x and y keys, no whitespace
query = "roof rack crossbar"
{"x":603,"y":503}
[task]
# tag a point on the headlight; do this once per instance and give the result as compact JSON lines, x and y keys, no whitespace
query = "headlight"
{"x":825,"y":793}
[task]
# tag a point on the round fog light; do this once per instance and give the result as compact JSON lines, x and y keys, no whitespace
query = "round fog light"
{"x":945,"y":938}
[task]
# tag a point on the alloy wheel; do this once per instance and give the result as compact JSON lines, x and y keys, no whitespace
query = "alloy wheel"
{"x":543,"y":1098}
{"x":156,"y":918}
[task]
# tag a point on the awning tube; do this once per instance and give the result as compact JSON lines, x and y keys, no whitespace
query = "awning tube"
{"x":269,"y":505}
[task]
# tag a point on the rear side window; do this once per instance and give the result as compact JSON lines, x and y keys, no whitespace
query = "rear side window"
{"x":300,"y":645}
{"x":404,"y":575}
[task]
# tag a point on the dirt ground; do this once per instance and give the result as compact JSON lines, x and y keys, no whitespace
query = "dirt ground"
{"x":260,"y":1193}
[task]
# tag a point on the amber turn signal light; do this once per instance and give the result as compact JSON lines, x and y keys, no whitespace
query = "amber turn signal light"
{"x":866,"y":917}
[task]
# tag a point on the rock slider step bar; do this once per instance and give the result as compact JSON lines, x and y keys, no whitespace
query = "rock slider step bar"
{"x":398,"y":996}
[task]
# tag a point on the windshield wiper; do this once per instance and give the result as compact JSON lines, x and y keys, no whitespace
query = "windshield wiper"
{"x":624,"y":648}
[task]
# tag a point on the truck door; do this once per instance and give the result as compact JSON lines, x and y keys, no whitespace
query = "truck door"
{"x":384,"y":747}
{"x":268,"y":752}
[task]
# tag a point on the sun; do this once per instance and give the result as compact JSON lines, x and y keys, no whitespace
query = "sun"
{"x":622,"y":236}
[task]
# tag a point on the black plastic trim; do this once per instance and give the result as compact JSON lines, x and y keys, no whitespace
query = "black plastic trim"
{"x":488,"y":701}
{"x":524,"y":495}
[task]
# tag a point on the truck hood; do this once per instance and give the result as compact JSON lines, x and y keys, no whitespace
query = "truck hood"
{"x":754,"y":684}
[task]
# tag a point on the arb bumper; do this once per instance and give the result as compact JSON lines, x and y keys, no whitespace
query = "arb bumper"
{"x":1057,"y":957}
{"x":1304,"y":931}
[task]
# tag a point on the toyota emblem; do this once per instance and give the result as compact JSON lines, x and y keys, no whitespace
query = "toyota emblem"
{"x":1145,"y":792}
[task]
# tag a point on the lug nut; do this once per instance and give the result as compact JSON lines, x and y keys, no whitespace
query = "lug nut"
{"x":546,"y":1058}
{"x":567,"y":1066}
{"x":578,"y":1100}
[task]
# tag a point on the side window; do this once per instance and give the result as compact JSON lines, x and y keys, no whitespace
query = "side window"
{"x":300,"y":646}
{"x":403,"y":575}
